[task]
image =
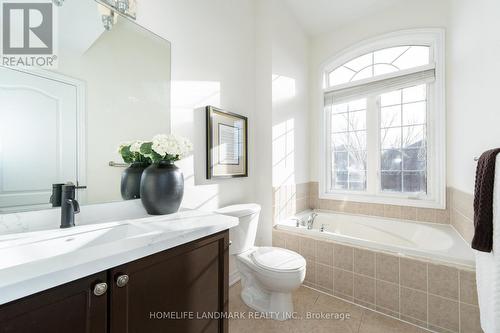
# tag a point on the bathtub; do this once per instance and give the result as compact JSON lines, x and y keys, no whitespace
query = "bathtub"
{"x":436,"y":242}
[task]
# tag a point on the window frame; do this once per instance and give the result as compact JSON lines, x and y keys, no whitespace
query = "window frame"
{"x":435,"y":123}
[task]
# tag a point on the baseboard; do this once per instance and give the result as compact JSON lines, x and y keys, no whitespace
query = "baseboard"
{"x":234,"y":277}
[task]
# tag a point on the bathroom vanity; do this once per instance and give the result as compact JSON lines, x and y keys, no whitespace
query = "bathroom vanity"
{"x":153,"y":274}
{"x":113,"y":268}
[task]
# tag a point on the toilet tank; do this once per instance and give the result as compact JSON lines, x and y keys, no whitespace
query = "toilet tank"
{"x":243,"y":235}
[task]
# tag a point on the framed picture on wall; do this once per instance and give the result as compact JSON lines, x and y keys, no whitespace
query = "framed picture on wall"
{"x":227,"y":145}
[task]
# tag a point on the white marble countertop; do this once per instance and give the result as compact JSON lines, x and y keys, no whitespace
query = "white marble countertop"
{"x":38,"y":260}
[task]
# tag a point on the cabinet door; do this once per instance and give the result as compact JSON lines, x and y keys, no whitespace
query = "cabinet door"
{"x":173,"y":290}
{"x":71,"y":307}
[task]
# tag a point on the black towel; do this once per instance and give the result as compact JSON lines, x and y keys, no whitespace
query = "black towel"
{"x":483,"y":201}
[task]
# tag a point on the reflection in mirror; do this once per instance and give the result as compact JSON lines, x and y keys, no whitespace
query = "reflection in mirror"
{"x":65,"y":124}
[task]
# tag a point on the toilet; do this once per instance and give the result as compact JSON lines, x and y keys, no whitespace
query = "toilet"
{"x":269,"y":275}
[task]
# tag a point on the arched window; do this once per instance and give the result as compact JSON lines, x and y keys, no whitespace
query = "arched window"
{"x":383,"y":121}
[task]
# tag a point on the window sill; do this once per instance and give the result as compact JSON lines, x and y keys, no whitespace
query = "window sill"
{"x":385,"y":199}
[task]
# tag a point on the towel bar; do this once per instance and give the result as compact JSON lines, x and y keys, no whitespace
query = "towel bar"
{"x":118,"y":165}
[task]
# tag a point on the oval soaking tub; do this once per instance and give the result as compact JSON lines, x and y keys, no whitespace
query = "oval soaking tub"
{"x":432,"y":241}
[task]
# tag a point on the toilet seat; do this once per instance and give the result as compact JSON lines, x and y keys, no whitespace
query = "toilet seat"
{"x":277,"y":259}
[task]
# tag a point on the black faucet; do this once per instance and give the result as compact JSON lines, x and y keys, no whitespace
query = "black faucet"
{"x":69,"y":206}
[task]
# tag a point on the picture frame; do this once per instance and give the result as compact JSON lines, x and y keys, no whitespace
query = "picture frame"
{"x":227,"y":144}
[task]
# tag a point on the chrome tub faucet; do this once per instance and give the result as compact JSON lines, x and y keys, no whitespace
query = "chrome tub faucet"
{"x":310,"y":220}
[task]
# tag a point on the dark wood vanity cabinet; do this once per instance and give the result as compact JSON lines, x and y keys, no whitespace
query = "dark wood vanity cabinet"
{"x":184,"y":289}
{"x":72,"y":307}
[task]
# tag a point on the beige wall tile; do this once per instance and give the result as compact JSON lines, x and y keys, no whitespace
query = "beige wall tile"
{"x":392,"y":211}
{"x":468,"y":288}
{"x":414,"y":304}
{"x":374,"y":209}
{"x":443,"y":313}
{"x":365,"y":304}
{"x":324,"y":277}
{"x":469,"y":319}
{"x":413,"y":274}
{"x":438,"y":329}
{"x":343,"y":282}
{"x":324,"y":253}
{"x":307,"y":247}
{"x":413,"y":321}
{"x":409,"y":213}
{"x":364,"y":288}
{"x":313,"y":189}
{"x":387,"y":267}
{"x":463,"y":225}
{"x":343,"y":296}
{"x":386,"y":311}
{"x":443,"y":216}
{"x":387,"y":295}
{"x":313,"y":202}
{"x":301,"y":204}
{"x":302,"y":190}
{"x":343,"y":257}
{"x":310,"y":272}
{"x":279,"y":239}
{"x":292,"y":242}
{"x":324,"y":204}
{"x":426,"y":215}
{"x":336,"y":205}
{"x":463,"y":202}
{"x":443,"y":281}
{"x":364,"y":262}
{"x":353,"y":207}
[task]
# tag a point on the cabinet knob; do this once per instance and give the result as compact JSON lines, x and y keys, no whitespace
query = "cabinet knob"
{"x":100,"y":288}
{"x":122,"y":280}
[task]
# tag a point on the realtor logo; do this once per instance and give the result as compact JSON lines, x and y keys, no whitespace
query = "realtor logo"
{"x":28,"y":33}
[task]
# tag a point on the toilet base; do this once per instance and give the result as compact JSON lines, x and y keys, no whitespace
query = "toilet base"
{"x":275,"y":305}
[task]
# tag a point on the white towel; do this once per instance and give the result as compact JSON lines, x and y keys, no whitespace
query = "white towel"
{"x":488,"y":268}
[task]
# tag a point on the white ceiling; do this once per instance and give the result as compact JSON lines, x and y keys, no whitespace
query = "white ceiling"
{"x":319,"y":16}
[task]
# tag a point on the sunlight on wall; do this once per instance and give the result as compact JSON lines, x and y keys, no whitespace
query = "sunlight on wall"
{"x":188,"y":119}
{"x":284,"y":168}
{"x":283,"y":87}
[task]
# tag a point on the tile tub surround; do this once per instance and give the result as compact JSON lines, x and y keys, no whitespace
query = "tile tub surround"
{"x":399,"y":212}
{"x":462,"y":213}
{"x":290,"y":199}
{"x":435,"y":296}
{"x":307,"y":300}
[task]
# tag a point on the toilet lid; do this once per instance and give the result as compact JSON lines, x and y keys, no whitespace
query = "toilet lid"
{"x":278,"y":259}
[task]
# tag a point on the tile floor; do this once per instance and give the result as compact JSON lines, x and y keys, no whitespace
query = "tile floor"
{"x":309,"y":300}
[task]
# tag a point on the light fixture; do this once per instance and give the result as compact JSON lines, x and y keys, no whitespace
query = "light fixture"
{"x":123,"y":6}
{"x":58,"y":3}
{"x":108,"y":17}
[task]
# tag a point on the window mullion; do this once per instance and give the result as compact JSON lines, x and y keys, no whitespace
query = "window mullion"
{"x":372,"y":126}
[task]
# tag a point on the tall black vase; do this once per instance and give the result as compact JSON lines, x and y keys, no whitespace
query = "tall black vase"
{"x":162,"y":188}
{"x":131,"y":181}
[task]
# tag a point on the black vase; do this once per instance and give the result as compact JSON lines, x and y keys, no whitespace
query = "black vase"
{"x":131,"y":181}
{"x":162,"y":188}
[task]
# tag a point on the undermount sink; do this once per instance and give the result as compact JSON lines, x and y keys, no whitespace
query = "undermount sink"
{"x":100,"y":229}
{"x":13,"y":226}
{"x":42,"y":245}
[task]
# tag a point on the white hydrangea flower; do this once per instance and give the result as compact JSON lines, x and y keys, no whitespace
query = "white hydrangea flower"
{"x":135,"y":147}
{"x":171,"y":144}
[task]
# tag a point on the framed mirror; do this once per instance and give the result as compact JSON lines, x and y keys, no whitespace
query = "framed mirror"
{"x":64,"y":124}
